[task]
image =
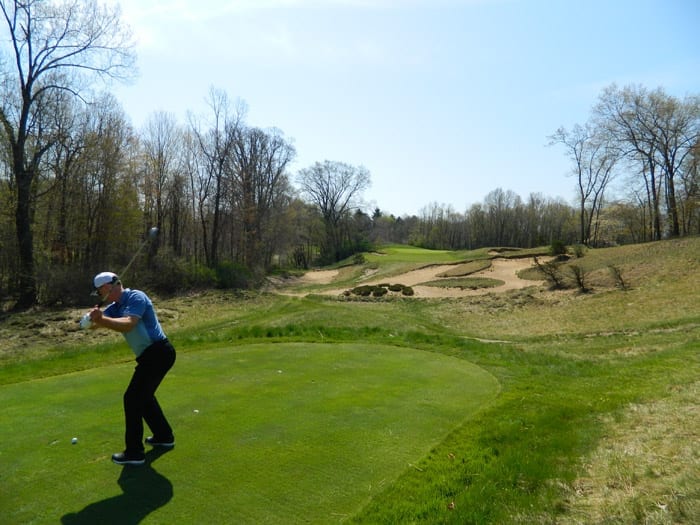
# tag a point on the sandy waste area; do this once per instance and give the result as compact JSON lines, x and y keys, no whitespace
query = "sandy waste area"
{"x":502,"y":269}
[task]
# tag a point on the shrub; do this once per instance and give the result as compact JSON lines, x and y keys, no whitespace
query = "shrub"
{"x":232,"y":275}
{"x":557,"y":248}
{"x":169,"y":274}
{"x":200,"y":276}
{"x":379,"y":291}
{"x":551,"y":273}
{"x":580,"y":277}
{"x":363,"y":291}
{"x":616,"y":273}
{"x":62,"y":285}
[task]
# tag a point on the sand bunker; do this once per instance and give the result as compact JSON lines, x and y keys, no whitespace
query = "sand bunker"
{"x":505,"y":270}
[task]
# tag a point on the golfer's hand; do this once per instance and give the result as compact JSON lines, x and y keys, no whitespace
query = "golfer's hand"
{"x":96,"y":315}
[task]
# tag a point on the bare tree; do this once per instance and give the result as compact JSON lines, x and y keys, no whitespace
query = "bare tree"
{"x":197,"y":189}
{"x":677,"y":125}
{"x":161,"y":141}
{"x":62,"y":161}
{"x":259,"y":159}
{"x":690,"y":187}
{"x":335,"y":188}
{"x":215,"y":146}
{"x":500,"y":206}
{"x":436,"y":227}
{"x":629,"y":118}
{"x":552,"y":273}
{"x":88,"y":164}
{"x":105,"y":173}
{"x":594,"y":158}
{"x":54,"y":48}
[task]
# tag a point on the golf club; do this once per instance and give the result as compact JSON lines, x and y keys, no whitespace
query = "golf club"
{"x":152,"y":234}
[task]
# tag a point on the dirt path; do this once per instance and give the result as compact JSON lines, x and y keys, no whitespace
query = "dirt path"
{"x":502,"y":269}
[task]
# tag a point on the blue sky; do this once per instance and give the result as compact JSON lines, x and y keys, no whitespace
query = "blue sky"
{"x":442,"y":101}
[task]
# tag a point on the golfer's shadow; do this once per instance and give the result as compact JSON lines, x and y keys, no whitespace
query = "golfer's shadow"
{"x":145,"y":490}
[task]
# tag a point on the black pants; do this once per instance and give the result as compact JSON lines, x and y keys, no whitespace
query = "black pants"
{"x":140,"y":403}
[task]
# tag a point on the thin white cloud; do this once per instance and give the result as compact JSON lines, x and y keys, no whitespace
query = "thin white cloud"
{"x":240,"y":31}
{"x":209,"y":9}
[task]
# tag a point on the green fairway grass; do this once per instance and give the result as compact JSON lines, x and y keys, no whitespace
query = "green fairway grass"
{"x":266,"y":433}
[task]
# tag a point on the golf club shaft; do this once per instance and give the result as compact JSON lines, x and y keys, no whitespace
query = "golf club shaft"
{"x":126,"y":268}
{"x":152,"y":233}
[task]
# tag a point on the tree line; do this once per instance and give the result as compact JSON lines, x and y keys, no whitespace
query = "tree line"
{"x":650,"y":140}
{"x":80,"y":187}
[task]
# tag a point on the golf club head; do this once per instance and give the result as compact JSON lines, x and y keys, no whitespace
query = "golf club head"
{"x":85,"y":322}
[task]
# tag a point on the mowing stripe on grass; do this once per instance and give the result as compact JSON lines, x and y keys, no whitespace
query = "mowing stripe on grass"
{"x":265,"y":434}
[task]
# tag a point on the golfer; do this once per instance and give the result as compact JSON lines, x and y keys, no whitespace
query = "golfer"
{"x":131,"y":313}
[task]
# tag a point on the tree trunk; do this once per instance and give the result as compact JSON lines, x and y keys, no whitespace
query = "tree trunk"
{"x":25,"y":239}
{"x":672,"y":205}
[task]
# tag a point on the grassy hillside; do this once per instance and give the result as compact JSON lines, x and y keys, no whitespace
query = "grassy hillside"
{"x":597,"y":419}
{"x":664,"y":279}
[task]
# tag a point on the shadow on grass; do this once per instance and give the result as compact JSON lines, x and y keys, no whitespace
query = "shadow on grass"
{"x":145,"y":490}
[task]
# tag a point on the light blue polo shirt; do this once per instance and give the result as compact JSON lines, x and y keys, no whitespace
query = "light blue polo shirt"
{"x":148,"y":329}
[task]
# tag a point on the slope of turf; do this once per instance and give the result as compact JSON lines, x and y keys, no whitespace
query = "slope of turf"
{"x":268,"y":433}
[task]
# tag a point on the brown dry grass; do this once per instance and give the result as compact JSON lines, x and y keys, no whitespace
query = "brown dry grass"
{"x":647,"y":467}
{"x":664,"y":280}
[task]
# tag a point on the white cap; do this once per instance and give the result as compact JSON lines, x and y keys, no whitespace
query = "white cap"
{"x":104,"y":278}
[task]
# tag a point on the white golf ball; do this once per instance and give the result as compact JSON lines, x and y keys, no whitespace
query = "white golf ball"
{"x":74,"y":440}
